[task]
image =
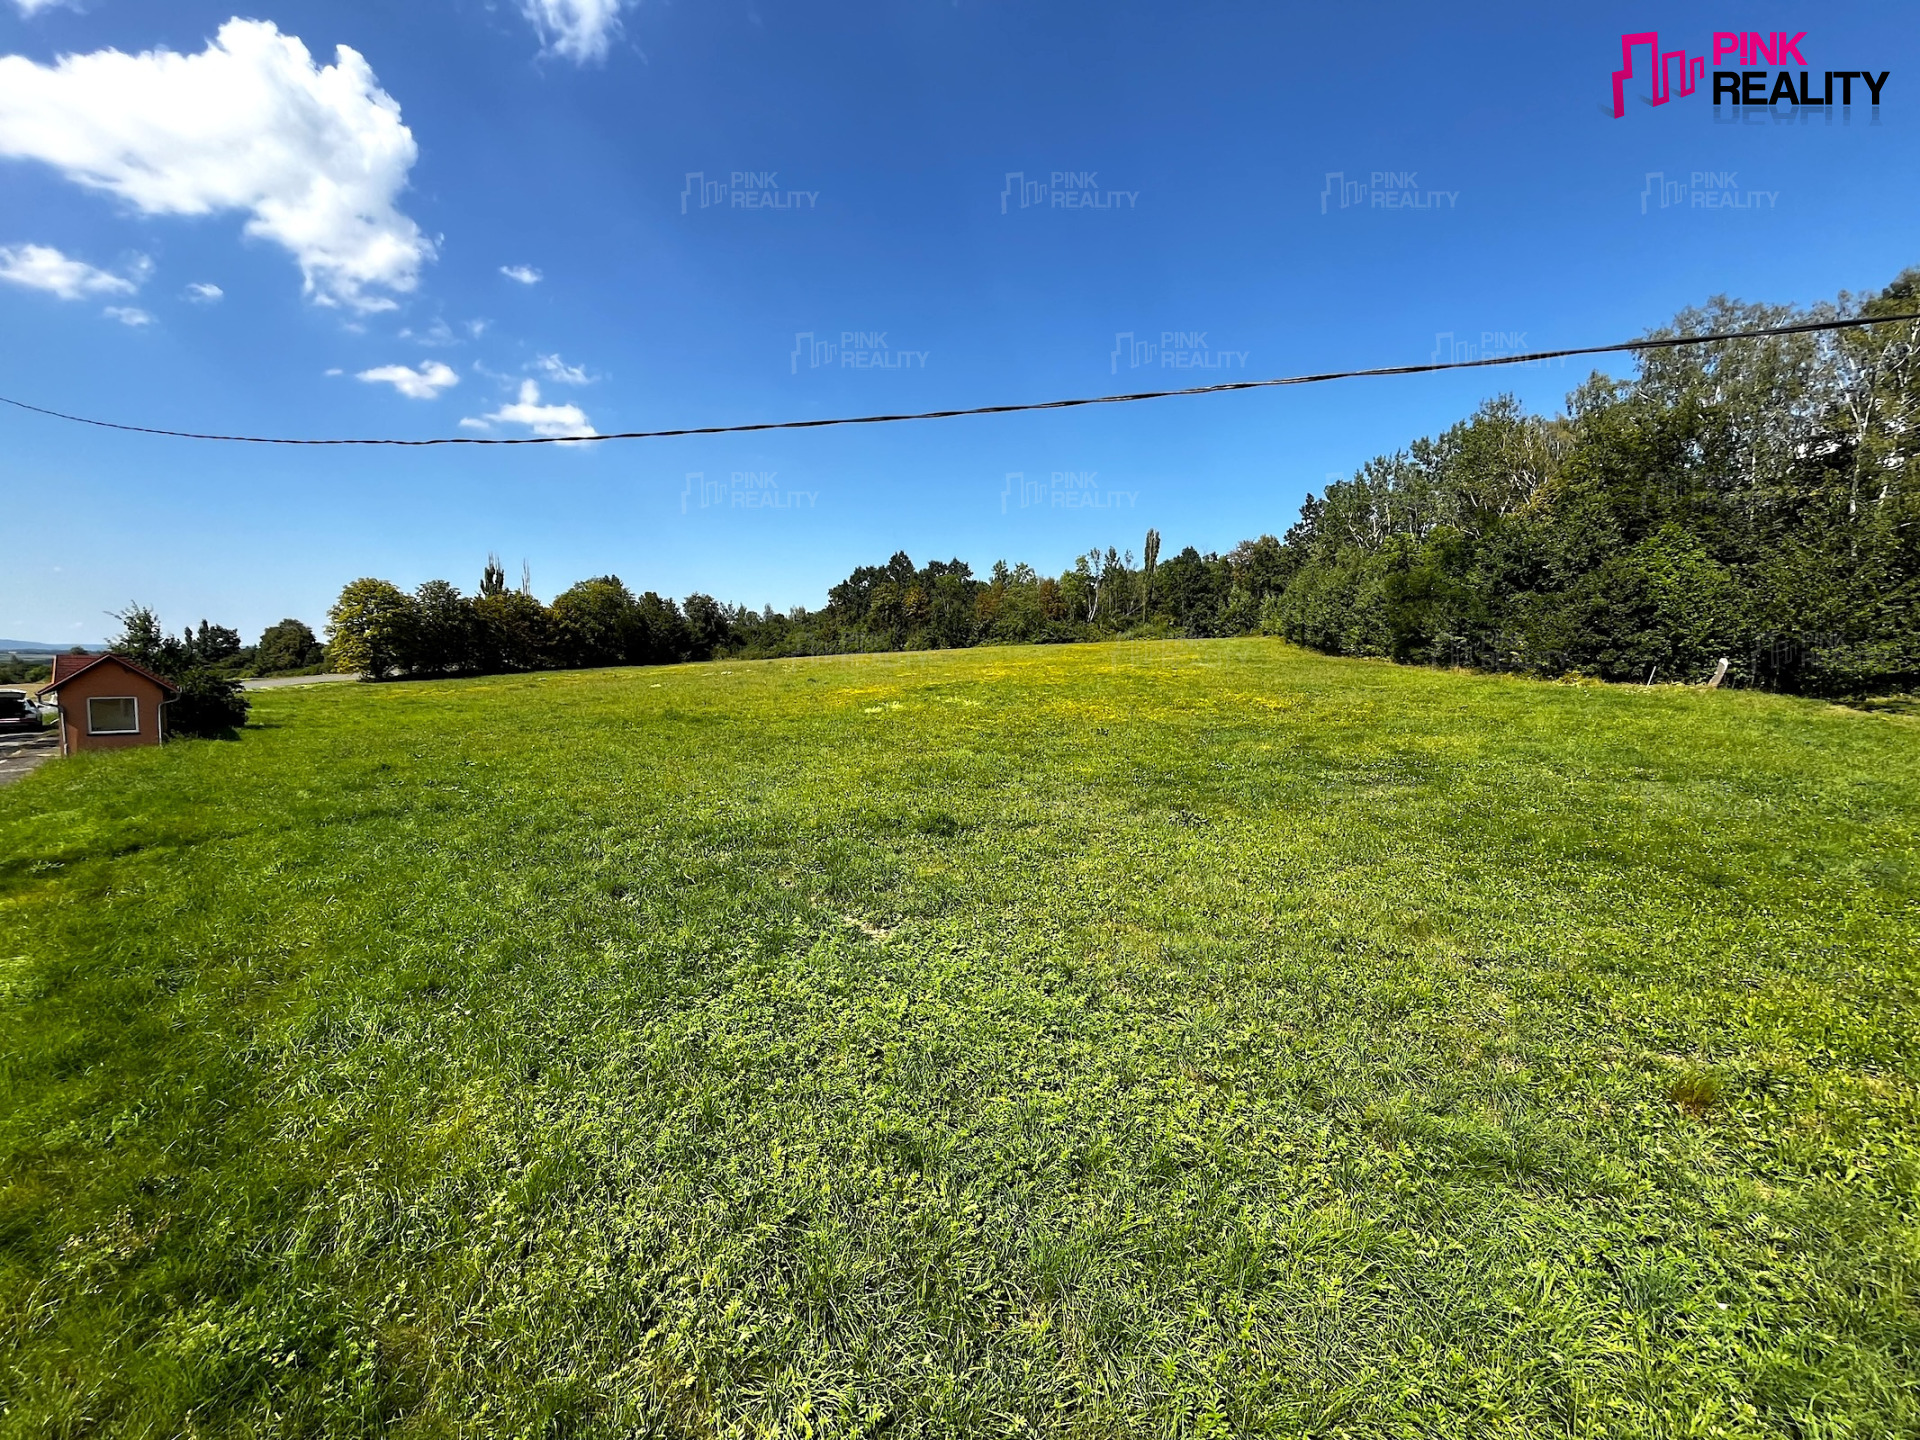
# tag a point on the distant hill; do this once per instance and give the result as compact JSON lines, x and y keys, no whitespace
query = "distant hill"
{"x":41,"y":647}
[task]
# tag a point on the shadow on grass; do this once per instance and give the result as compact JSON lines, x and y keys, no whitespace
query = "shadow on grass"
{"x":1886,"y":705}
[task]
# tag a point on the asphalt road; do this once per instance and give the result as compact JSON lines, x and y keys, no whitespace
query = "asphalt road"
{"x":25,"y":750}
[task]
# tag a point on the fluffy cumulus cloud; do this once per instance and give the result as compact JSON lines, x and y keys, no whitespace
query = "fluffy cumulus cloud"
{"x":202,"y":293}
{"x":31,"y":8}
{"x":550,"y":420}
{"x":41,"y":267}
{"x":422,"y":384}
{"x":128,"y":315}
{"x":577,"y":30}
{"x":315,"y":156}
{"x":525,"y":274}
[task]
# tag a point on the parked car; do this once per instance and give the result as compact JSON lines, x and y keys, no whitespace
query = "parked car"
{"x":18,"y":711}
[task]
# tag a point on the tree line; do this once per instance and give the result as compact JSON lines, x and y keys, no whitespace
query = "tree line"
{"x":1752,"y":500}
{"x":287,"y":648}
{"x":204,"y":665}
{"x":382,"y":631}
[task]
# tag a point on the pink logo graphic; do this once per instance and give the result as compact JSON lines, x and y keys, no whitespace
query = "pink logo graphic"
{"x":1691,"y":70}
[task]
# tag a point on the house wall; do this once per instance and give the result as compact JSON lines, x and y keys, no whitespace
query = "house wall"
{"x":104,"y":680}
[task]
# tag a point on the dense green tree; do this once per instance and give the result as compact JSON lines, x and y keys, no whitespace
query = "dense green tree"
{"x":446,"y":634}
{"x":370,"y":628}
{"x":594,"y":621}
{"x":709,"y":627}
{"x":493,"y":579}
{"x":852,"y":599}
{"x":657,"y":633}
{"x":1194,"y":590}
{"x":141,"y":638}
{"x":289,"y":645}
{"x":515,"y":632}
{"x":950,"y":611}
{"x":210,"y":644}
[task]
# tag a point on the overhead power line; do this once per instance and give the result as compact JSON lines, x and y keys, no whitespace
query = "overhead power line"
{"x":1663,"y":343}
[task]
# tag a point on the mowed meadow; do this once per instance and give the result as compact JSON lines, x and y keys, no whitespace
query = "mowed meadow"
{"x":1200,"y":1039}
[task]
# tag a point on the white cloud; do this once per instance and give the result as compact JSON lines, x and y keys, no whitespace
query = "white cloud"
{"x":128,"y":315}
{"x":201,"y":293}
{"x":438,"y":333}
{"x":550,"y":420}
{"x":316,"y":156}
{"x":41,"y":267}
{"x":561,"y":373}
{"x":30,"y":8}
{"x":422,"y":384}
{"x":525,"y":274}
{"x":579,"y":30}
{"x":336,"y":370}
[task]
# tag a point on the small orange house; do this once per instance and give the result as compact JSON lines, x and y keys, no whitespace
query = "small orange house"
{"x":107,"y":702}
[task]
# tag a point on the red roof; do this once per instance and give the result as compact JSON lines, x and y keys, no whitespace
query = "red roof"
{"x":69,"y":667}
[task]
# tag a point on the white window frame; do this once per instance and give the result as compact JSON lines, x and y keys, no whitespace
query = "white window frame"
{"x":133,"y":700}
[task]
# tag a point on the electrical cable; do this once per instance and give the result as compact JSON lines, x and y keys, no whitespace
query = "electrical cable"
{"x":1662,"y":343}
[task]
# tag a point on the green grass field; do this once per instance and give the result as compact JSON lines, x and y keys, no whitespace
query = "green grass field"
{"x":1185,"y":1039}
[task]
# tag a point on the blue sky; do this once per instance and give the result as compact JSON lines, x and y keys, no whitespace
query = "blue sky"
{"x":358,"y":214}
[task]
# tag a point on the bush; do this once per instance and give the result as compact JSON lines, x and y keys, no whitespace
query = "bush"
{"x":208,"y":705}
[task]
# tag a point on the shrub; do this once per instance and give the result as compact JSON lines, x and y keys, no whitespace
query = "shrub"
{"x":208,"y":705}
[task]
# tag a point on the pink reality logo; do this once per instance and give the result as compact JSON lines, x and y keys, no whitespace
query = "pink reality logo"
{"x":1745,"y":86}
{"x":1691,"y":69}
